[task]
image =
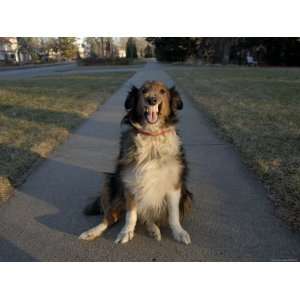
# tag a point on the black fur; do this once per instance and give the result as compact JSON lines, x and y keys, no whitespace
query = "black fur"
{"x":131,"y":98}
{"x":113,"y":180}
{"x":176,"y":104}
{"x":113,"y":183}
{"x":94,"y":208}
{"x":176,"y":101}
{"x":186,"y":199}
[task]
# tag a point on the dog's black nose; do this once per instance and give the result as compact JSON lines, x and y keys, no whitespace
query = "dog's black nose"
{"x":151,"y":100}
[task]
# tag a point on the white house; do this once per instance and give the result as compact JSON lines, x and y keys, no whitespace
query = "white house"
{"x":121,"y":52}
{"x":9,"y":49}
{"x":84,"y":49}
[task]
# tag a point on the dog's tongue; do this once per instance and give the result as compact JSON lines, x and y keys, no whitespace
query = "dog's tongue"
{"x":152,"y":114}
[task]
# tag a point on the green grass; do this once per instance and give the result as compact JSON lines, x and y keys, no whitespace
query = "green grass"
{"x":258,"y":110}
{"x":38,"y":114}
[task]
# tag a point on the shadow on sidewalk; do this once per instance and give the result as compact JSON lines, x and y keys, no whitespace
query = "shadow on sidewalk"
{"x":12,"y":252}
{"x":69,"y":188}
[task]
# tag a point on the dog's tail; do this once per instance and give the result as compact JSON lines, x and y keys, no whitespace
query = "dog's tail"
{"x":94,"y":208}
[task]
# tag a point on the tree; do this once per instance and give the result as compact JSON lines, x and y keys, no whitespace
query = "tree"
{"x":67,"y":47}
{"x":174,"y":49}
{"x":121,"y":42}
{"x":101,"y":46}
{"x":109,"y":47}
{"x":131,"y":50}
{"x":273,"y":51}
{"x":215,"y":49}
{"x":148,"y":51}
{"x":28,"y":49}
{"x":141,"y":44}
{"x":265,"y":50}
{"x":91,"y":42}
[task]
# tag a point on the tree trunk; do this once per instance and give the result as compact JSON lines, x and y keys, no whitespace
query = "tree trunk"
{"x":102,"y":47}
{"x":226,"y":50}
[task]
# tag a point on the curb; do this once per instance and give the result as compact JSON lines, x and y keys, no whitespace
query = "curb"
{"x":16,"y":68}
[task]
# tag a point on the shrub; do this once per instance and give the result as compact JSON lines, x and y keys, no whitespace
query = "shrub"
{"x":90,"y":61}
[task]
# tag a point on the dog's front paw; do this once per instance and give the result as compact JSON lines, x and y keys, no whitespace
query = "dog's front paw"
{"x":124,"y":236}
{"x":182,"y":236}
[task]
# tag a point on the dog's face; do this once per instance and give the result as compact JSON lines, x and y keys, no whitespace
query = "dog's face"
{"x":153,"y":104}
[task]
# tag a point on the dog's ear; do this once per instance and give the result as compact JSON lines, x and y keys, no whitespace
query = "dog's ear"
{"x":176,"y":102}
{"x":131,"y":98}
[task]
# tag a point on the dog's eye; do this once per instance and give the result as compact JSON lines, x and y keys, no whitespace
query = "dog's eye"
{"x":144,"y":90}
{"x":162,"y":91}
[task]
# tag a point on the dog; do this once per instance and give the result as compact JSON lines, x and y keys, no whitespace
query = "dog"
{"x":149,"y":182}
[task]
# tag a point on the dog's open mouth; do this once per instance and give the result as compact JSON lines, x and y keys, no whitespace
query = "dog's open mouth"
{"x":152,"y":112}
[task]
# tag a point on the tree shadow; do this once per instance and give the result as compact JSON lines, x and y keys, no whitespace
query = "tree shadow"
{"x":73,"y":122}
{"x":67,"y":120}
{"x":64,"y":186}
{"x":16,"y":162}
{"x":11,"y":253}
{"x":69,"y":189}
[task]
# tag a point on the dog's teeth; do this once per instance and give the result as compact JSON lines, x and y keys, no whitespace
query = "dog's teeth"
{"x":153,"y":109}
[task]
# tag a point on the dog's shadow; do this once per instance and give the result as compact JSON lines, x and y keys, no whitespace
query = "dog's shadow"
{"x":69,"y":190}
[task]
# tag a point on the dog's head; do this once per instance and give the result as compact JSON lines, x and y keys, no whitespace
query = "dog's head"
{"x":153,"y":104}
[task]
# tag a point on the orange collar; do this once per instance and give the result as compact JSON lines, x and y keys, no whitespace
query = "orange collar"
{"x":152,"y":133}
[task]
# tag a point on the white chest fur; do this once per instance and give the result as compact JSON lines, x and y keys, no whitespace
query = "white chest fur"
{"x":155,"y":173}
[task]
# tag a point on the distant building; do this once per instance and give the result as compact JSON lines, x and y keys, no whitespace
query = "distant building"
{"x":9,"y":50}
{"x":121,"y":52}
{"x":84,"y":49}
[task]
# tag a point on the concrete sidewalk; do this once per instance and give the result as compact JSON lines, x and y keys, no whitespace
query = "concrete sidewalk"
{"x":232,"y":218}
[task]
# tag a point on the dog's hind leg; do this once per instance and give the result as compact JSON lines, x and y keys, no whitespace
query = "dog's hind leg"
{"x":153,"y":230}
{"x":111,"y":217}
{"x":94,"y":232}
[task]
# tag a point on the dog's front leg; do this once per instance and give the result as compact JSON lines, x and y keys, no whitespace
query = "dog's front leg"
{"x":173,"y":199}
{"x":127,"y":233}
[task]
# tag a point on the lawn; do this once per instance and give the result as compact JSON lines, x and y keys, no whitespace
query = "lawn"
{"x":258,"y":110}
{"x":38,"y":114}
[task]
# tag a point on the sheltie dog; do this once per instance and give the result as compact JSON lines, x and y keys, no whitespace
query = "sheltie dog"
{"x":149,"y":182}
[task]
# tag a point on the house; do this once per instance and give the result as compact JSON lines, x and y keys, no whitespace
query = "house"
{"x":83,"y":48}
{"x":9,"y":50}
{"x":121,"y":52}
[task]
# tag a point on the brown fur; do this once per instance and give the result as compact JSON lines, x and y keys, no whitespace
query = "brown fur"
{"x":115,"y":198}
